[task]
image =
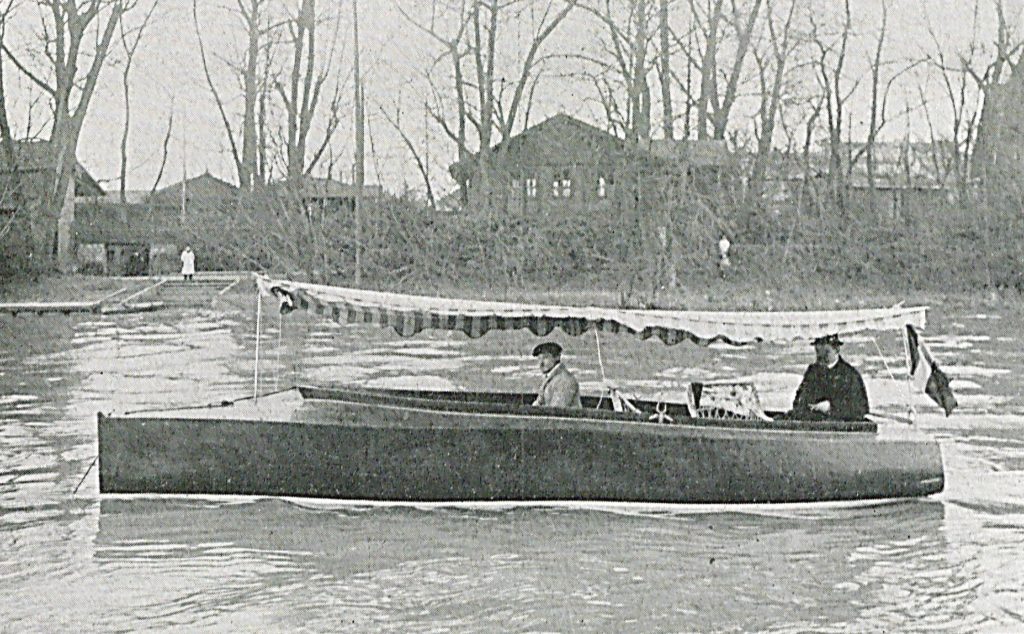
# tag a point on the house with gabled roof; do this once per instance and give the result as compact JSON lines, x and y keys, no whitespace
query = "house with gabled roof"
{"x":203,"y":189}
{"x":144,"y":236}
{"x":563,"y":163}
{"x":560,"y":162}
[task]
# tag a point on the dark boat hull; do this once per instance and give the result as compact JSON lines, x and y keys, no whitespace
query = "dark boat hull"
{"x":350,"y":446}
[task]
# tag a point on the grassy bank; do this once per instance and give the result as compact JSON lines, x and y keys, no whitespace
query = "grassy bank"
{"x":734,"y":292}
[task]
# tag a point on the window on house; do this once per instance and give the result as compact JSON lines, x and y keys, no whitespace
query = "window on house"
{"x":561,"y":186}
{"x":531,"y":187}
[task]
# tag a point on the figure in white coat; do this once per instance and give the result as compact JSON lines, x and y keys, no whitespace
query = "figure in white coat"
{"x":188,"y":264}
{"x":723,"y":254}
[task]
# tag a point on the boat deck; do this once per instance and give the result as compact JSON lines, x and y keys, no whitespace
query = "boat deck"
{"x":321,"y":406}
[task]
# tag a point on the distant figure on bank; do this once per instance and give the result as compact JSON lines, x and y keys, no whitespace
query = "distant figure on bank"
{"x":723,"y":254}
{"x":560,"y":388}
{"x":188,"y":264}
{"x":831,"y":388}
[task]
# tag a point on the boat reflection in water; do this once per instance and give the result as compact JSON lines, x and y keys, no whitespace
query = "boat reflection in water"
{"x":324,"y":565}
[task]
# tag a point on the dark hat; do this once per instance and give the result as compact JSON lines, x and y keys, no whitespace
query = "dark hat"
{"x":831,"y":340}
{"x":548,"y":347}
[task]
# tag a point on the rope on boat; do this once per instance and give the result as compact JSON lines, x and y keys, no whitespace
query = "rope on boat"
{"x":222,"y":403}
{"x":884,"y":362}
{"x":895,"y":380}
{"x":91,"y":465}
{"x":619,"y":400}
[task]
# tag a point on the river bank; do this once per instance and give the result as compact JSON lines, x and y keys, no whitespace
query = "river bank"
{"x":712,"y":293}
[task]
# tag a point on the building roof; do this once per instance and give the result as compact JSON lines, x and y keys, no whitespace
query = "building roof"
{"x":33,"y":155}
{"x":549,"y":132}
{"x":131,"y":196}
{"x":599,"y":145}
{"x":205,"y":186}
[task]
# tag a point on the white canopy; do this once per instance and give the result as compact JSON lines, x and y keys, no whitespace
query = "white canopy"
{"x":411,"y":314}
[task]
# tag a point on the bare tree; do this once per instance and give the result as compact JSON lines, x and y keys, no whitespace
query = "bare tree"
{"x":484,"y":100}
{"x":421,"y":162}
{"x":622,"y":63}
{"x":130,"y":39}
{"x":665,"y":70}
{"x":8,"y":157}
{"x":255,"y":19}
{"x":76,"y":41}
{"x":829,"y":65}
{"x":961,"y":92}
{"x":164,"y":150}
{"x":993,"y":131}
{"x":306,"y":80}
{"x":772,"y":73}
{"x":714,"y":104}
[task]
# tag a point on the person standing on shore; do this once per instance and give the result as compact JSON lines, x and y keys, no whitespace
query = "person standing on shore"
{"x":723,"y":255}
{"x":188,"y":264}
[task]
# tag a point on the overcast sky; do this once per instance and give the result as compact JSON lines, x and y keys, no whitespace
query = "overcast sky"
{"x":167,"y":78}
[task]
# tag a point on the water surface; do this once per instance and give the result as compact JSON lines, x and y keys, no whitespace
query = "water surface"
{"x":73,"y":560}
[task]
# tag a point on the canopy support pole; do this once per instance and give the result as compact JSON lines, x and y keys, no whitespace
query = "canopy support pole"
{"x":893,"y":377}
{"x":280,"y":339}
{"x":256,"y":364}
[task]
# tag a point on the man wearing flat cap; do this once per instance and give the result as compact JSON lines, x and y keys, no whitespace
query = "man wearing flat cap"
{"x":832,"y":388}
{"x":560,"y":388}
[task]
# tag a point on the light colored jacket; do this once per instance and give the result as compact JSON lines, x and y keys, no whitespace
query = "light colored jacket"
{"x":559,"y":389}
{"x":188,"y":262}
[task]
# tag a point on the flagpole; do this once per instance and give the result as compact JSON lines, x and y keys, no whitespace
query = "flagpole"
{"x":910,"y":378}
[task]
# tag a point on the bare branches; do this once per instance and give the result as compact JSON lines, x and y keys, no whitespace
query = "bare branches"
{"x":164,"y":147}
{"x":28,"y":73}
{"x":130,"y":42}
{"x":215,"y":93}
{"x":416,"y":154}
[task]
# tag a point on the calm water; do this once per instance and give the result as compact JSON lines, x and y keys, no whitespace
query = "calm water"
{"x":76,"y":561}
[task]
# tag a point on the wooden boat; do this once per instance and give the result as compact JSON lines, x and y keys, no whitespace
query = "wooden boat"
{"x":416,"y":445}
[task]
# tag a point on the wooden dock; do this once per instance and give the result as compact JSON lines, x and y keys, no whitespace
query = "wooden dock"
{"x":169,"y":291}
{"x":42,"y":308}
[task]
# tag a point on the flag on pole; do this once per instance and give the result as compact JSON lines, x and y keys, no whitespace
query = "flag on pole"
{"x":926,"y":375}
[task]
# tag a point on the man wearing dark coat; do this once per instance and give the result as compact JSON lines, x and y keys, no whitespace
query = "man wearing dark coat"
{"x":560,"y":388}
{"x":832,"y":388}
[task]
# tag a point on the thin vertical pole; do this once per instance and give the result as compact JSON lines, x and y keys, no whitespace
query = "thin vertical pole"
{"x":360,"y":176}
{"x":256,"y":365}
{"x":600,"y":360}
{"x":184,"y":178}
{"x":280,"y":341}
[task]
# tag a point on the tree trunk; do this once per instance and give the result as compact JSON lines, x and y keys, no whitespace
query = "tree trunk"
{"x":247,"y":173}
{"x":667,"y":116}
